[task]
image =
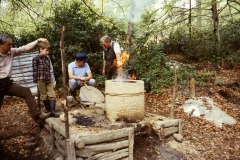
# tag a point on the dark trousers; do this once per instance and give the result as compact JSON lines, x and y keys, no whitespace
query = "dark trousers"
{"x":7,"y":87}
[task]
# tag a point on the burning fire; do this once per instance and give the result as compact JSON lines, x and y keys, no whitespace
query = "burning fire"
{"x":124,"y":57}
{"x":133,"y":77}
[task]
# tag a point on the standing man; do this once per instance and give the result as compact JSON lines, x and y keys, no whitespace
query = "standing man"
{"x":7,"y":87}
{"x":77,"y":72}
{"x":111,"y":53}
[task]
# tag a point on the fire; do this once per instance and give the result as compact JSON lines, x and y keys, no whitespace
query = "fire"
{"x":124,"y":57}
{"x":133,"y":77}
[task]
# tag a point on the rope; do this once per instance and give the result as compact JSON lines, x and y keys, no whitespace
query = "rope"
{"x":125,"y":94}
{"x":22,"y":71}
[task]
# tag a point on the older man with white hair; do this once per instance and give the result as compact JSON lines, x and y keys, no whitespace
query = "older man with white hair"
{"x":111,"y":53}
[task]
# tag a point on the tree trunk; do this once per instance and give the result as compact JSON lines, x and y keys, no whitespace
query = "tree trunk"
{"x":199,"y":5}
{"x":216,"y":28}
{"x":190,"y":22}
{"x":130,"y":24}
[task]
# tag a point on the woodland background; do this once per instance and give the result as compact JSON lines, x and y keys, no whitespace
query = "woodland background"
{"x":194,"y":31}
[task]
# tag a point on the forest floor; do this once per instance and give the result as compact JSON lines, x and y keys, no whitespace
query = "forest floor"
{"x":202,"y":139}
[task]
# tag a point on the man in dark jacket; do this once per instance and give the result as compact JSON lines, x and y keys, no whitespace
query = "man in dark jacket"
{"x":111,"y":53}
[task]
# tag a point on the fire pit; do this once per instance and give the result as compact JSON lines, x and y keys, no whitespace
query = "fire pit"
{"x":124,"y":100}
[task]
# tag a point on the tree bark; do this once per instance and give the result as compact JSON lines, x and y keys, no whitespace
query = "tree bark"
{"x":130,"y":24}
{"x":216,"y":28}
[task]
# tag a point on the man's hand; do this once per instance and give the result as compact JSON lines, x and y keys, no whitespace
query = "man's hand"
{"x":42,"y":40}
{"x":83,"y":78}
{"x":103,"y":72}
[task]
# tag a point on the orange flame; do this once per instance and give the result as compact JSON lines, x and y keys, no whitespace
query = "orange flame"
{"x":124,"y":57}
{"x":133,"y":77}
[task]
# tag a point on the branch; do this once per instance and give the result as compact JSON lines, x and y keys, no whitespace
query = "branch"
{"x":234,"y":8}
{"x":234,"y":1}
{"x":222,"y":8}
{"x":95,"y":12}
{"x":121,"y":8}
{"x":6,"y":23}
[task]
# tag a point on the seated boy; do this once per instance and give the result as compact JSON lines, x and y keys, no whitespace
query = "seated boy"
{"x":42,"y":76}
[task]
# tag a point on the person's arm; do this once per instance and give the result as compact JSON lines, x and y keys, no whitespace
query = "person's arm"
{"x":33,"y":44}
{"x":104,"y":65}
{"x":71,"y":76}
{"x":89,"y":76}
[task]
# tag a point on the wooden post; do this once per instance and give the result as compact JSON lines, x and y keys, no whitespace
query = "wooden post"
{"x":131,"y":143}
{"x":174,"y":91}
{"x":192,"y":88}
{"x":162,"y":135}
{"x":70,"y":149}
{"x":180,"y":127}
{"x":52,"y":136}
{"x":64,"y":81}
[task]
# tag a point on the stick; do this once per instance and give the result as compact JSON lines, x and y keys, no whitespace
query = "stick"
{"x":86,"y":86}
{"x":174,"y":91}
{"x":82,"y":82}
{"x":64,"y":81}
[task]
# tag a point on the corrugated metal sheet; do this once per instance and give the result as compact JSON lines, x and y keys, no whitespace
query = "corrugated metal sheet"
{"x":22,"y":71}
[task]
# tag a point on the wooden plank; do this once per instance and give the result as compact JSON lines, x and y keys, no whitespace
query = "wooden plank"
{"x":104,"y":136}
{"x":116,"y":155}
{"x":100,"y":155}
{"x":107,"y":146}
{"x":170,"y":130}
{"x":70,"y":149}
{"x":131,"y":143}
{"x":167,"y":123}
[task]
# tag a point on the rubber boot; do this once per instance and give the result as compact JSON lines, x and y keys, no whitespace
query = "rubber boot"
{"x":73,"y":93}
{"x":52,"y":107}
{"x":47,"y":105}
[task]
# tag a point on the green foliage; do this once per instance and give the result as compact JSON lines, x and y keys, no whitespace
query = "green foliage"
{"x":149,"y":61}
{"x":234,"y":58}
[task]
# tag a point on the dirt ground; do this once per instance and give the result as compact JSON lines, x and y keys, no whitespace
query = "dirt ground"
{"x":202,"y":139}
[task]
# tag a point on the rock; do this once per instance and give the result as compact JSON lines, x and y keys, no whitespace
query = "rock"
{"x":70,"y":101}
{"x":99,"y":111}
{"x":59,"y":158}
{"x":72,"y":120}
{"x":28,"y":144}
{"x":178,"y":137}
{"x":37,"y":149}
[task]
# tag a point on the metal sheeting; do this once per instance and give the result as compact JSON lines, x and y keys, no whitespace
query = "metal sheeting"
{"x":22,"y":71}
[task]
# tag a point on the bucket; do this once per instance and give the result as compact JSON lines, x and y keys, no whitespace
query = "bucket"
{"x":147,"y":84}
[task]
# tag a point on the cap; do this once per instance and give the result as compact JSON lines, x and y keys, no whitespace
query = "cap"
{"x":82,"y":57}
